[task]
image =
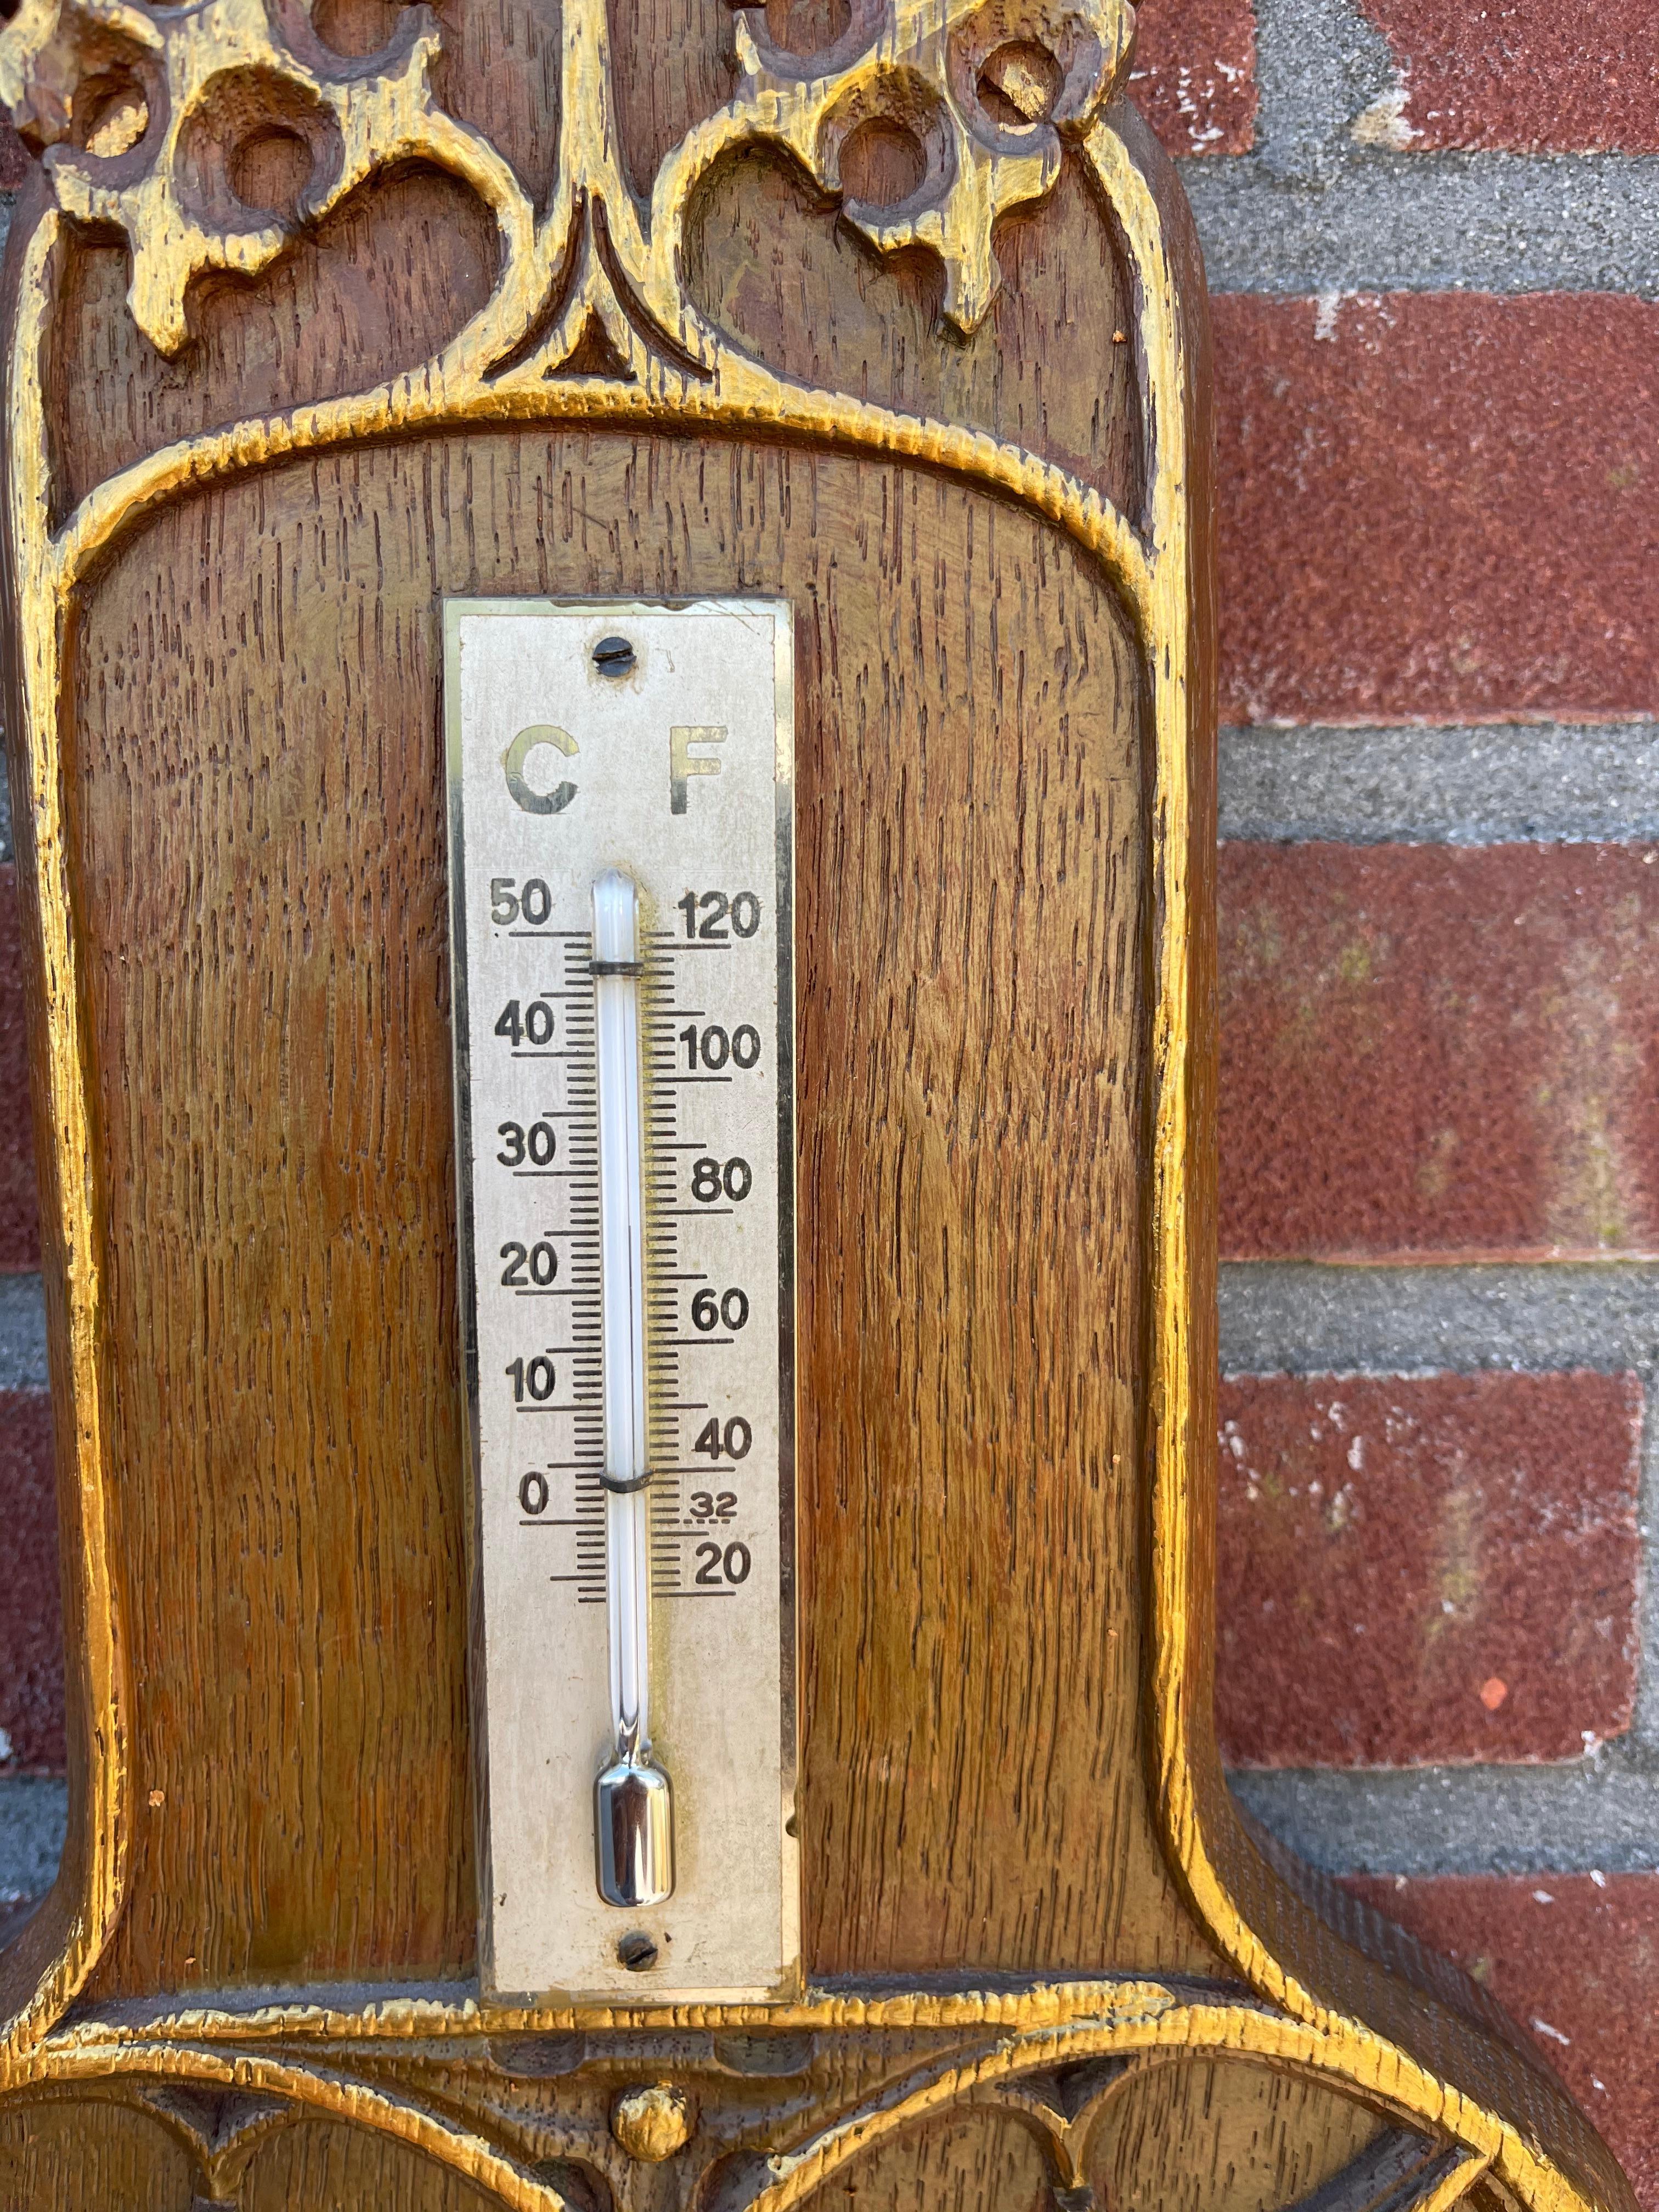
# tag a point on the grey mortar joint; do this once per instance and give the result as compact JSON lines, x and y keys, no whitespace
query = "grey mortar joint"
{"x":34,"y":1821}
{"x":1502,"y":224}
{"x":23,"y":1333}
{"x":1315,"y":210}
{"x":1595,"y":1816}
{"x":1480,"y":785}
{"x":1303,"y":1318}
{"x":1320,"y":64}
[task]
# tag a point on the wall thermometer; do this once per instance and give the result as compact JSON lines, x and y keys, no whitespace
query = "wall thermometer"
{"x":621,"y":846}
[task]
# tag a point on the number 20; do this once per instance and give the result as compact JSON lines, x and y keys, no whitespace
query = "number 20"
{"x":715,"y":1566}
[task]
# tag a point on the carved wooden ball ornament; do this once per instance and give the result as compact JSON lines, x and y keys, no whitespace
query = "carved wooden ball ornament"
{"x":323,"y":319}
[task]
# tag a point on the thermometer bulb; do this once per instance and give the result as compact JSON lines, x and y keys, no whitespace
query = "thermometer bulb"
{"x":633,"y":1808}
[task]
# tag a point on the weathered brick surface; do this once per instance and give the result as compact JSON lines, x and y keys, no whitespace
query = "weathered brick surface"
{"x":1438,"y":1051}
{"x":20,"y":1220}
{"x":1526,"y":76}
{"x":1575,"y":1962}
{"x":1442,"y":506}
{"x":31,"y":1627}
{"x":1426,"y":1569}
{"x":1194,"y":73}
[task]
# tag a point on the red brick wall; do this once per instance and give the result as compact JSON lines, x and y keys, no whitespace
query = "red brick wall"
{"x":1395,"y":1550}
{"x":1437,"y":506}
{"x":1194,"y":73}
{"x":1439,"y":470}
{"x":1435,"y":1050}
{"x":1439,"y":451}
{"x":1526,"y":76}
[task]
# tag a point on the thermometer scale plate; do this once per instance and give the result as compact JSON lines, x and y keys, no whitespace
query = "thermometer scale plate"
{"x":655,"y":741}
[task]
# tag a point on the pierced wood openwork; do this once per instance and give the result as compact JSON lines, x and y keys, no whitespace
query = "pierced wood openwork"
{"x":318,"y":310}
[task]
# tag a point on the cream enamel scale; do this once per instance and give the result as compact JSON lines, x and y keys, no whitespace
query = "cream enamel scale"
{"x":620,"y":781}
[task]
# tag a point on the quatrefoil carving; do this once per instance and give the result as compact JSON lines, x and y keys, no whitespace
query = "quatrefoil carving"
{"x":142,"y":112}
{"x":986,"y":92}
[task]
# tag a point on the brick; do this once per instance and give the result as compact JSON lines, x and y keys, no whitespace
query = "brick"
{"x":1526,"y":75}
{"x":1193,"y":74}
{"x":1575,"y":1962}
{"x":1439,"y":1051}
{"x":1437,"y":506}
{"x":19,"y":1218}
{"x":1426,"y":1569}
{"x":31,"y":1622}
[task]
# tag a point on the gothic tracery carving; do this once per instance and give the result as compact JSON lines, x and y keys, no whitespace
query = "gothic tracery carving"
{"x":142,"y":114}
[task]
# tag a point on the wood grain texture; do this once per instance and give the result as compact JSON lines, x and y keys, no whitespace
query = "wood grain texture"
{"x":978,"y":2158}
{"x":282,"y":1232}
{"x":1222,"y":2136}
{"x":324,"y":2162}
{"x":56,"y":2153}
{"x":1050,"y":367}
{"x":378,"y":287}
{"x":99,"y":2155}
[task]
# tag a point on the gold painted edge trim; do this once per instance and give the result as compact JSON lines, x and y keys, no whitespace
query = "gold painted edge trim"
{"x":1145,"y":2020}
{"x":43,"y":620}
{"x":1453,"y":2185}
{"x":742,"y":398}
{"x":1189,"y":2033}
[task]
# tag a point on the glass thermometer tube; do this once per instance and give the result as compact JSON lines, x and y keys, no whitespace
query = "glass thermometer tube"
{"x":633,"y":1809}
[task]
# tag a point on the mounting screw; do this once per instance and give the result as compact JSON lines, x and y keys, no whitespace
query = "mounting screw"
{"x":613,"y":656}
{"x":636,"y":1952}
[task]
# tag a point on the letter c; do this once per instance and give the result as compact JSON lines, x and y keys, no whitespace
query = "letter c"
{"x":516,"y":758}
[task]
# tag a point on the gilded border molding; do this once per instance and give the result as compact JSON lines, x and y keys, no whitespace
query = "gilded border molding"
{"x":596,"y":258}
{"x":1028,"y":2073}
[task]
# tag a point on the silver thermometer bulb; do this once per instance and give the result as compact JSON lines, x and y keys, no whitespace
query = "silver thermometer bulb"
{"x":633,"y":1809}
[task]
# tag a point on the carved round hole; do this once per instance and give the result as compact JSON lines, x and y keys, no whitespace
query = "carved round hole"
{"x":250,"y":147}
{"x":269,"y":169}
{"x":110,"y":114}
{"x":1019,"y":84}
{"x":356,"y":27}
{"x":883,"y":163}
{"x":807,"y":26}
